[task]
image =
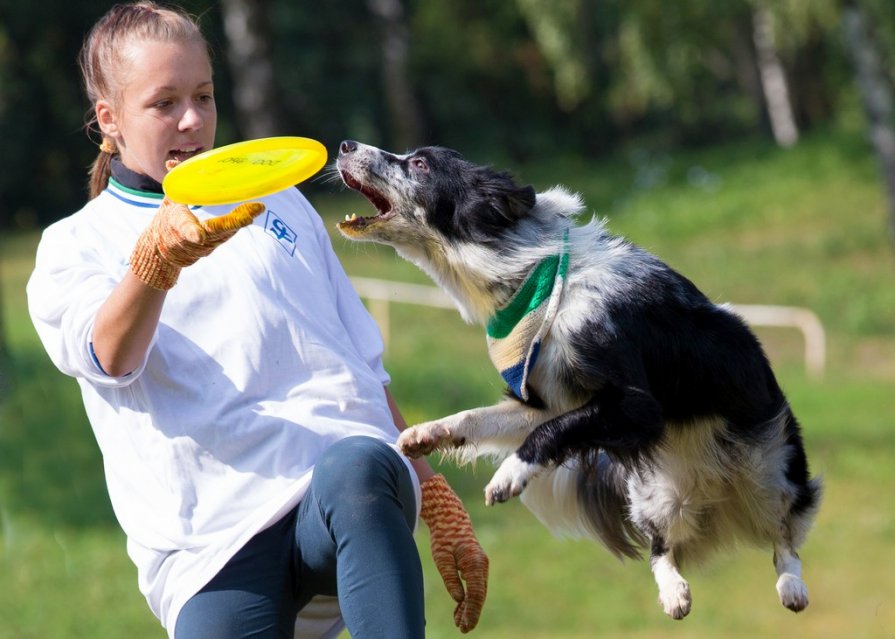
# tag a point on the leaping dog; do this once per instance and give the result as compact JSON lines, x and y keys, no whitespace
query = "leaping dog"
{"x":638,"y":412}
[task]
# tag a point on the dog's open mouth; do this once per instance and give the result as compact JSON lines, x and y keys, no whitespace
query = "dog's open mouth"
{"x":379,"y":201}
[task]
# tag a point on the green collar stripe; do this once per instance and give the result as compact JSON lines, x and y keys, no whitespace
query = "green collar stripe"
{"x":535,"y":290}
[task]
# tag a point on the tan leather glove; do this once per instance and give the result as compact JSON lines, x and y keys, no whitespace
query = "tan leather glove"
{"x":456,"y":551}
{"x":176,"y":238}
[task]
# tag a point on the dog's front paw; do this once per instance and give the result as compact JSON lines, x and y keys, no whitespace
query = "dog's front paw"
{"x":423,"y":439}
{"x":793,"y":592}
{"x":510,"y":480}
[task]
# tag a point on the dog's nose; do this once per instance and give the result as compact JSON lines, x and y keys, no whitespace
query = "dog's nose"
{"x":347,"y":146}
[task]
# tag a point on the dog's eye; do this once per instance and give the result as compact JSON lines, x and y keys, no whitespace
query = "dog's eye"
{"x":419,"y":164}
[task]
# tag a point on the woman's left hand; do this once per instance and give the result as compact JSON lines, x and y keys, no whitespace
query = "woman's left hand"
{"x":457,"y":553}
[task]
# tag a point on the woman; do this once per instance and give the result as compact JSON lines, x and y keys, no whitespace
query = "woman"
{"x":233,"y":379}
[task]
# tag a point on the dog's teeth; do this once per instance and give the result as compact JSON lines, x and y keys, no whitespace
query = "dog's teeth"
{"x":350,"y":218}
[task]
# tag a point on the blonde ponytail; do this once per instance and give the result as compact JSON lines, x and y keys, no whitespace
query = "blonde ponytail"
{"x":100,"y":172}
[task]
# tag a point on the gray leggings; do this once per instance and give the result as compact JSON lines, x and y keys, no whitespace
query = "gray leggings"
{"x":351,"y":536}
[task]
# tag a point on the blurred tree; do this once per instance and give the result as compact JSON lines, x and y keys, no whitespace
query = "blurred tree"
{"x":690,"y":71}
{"x":773,"y":78}
{"x":400,"y":97}
{"x":329,"y":70}
{"x":5,"y":361}
{"x":876,"y":95}
{"x":487,"y":87}
{"x":722,"y":69}
{"x":255,"y":94}
{"x":42,"y":111}
{"x":806,"y":36}
{"x":560,"y":28}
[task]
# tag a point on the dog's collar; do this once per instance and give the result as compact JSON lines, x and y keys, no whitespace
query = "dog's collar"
{"x":515,"y":331}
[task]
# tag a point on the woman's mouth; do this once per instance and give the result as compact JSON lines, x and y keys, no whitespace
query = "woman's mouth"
{"x":184,"y":154}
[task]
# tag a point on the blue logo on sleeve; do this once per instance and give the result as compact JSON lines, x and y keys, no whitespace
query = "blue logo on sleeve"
{"x":281,"y":231}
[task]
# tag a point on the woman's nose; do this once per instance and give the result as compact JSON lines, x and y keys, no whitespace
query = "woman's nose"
{"x":191,"y":119}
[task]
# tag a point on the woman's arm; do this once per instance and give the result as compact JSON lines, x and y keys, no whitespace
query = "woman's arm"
{"x":127,"y":320}
{"x":125,"y":324}
{"x":458,"y":556}
{"x":420,"y":465}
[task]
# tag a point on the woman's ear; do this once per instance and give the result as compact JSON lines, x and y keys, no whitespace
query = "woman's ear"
{"x":105,"y":118}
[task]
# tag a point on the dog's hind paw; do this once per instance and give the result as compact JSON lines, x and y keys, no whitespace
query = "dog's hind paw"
{"x":423,"y":439}
{"x":510,"y":480}
{"x":793,"y":592}
{"x":676,"y":600}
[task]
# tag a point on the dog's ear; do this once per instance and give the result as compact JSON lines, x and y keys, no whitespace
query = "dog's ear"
{"x":492,"y":206}
{"x":520,"y":200}
{"x":504,"y":196}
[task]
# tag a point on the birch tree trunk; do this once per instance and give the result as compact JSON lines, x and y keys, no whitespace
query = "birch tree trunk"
{"x":876,"y":96}
{"x":561,"y":32}
{"x":249,"y":59}
{"x":403,"y":109}
{"x":773,"y":79}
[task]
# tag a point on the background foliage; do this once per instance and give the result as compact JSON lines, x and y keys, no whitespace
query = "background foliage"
{"x":522,"y":78}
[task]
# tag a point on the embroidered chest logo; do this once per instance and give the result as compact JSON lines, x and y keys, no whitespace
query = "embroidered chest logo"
{"x":273,"y":225}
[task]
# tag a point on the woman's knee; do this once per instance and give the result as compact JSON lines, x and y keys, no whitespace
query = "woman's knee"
{"x":363,"y":472}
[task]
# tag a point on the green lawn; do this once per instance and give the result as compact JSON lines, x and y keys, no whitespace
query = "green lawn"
{"x":748,"y":223}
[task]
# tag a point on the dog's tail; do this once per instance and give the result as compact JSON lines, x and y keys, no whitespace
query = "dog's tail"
{"x":602,"y":493}
{"x":586,"y":498}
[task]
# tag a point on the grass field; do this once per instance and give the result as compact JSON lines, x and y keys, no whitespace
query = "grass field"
{"x":748,"y":223}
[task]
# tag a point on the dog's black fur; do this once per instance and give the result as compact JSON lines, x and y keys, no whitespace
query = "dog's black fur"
{"x":654,"y":419}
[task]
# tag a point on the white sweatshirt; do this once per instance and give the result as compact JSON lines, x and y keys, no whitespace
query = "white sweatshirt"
{"x":264,"y":356}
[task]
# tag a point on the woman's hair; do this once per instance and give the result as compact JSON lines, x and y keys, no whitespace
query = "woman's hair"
{"x":103,"y":57}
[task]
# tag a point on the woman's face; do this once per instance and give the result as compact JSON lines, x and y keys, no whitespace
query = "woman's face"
{"x":165,"y":108}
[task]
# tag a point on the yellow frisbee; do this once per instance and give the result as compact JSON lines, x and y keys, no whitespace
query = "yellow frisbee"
{"x":244,"y":170}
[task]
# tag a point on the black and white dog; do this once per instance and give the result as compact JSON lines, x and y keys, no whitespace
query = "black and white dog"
{"x":639,"y":413}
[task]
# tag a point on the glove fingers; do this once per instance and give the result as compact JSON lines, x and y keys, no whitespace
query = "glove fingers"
{"x":227,"y":225}
{"x":459,"y":616}
{"x":458,"y":556}
{"x":445,"y":563}
{"x":473,"y":567}
{"x":178,"y":224}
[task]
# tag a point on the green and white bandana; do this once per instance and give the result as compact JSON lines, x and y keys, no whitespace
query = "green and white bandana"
{"x":515,"y":331}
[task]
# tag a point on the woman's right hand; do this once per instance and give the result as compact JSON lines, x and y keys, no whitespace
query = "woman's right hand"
{"x":176,"y":238}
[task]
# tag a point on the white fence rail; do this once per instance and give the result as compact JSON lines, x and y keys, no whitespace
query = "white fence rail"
{"x":382,"y":293}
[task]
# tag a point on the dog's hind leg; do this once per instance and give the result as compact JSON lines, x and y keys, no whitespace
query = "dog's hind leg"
{"x":674,"y":591}
{"x":805,"y":494}
{"x":792,"y":590}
